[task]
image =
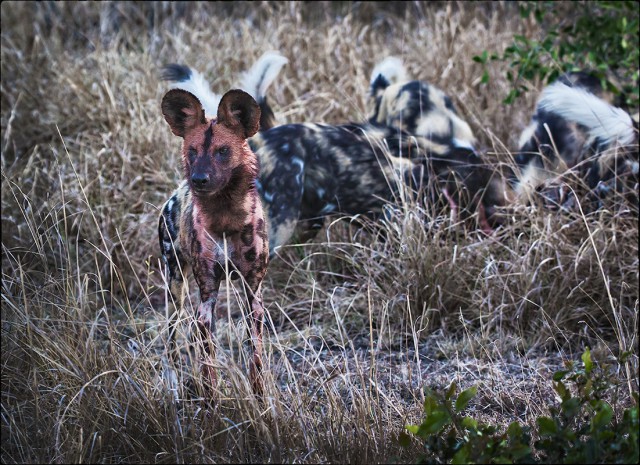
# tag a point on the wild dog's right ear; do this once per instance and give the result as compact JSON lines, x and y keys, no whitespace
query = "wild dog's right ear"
{"x":239,"y":111}
{"x":182,"y":110}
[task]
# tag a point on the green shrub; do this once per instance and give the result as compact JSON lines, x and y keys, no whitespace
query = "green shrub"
{"x":582,"y":429}
{"x":599,"y":36}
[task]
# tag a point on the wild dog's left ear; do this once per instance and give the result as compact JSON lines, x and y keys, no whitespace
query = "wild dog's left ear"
{"x":240,"y":112}
{"x":182,"y":110}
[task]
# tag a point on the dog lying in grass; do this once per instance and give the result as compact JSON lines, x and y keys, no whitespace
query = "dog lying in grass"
{"x":575,"y":129}
{"x":312,"y":170}
{"x":214,"y":222}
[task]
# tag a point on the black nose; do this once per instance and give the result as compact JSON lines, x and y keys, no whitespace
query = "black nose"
{"x":199,"y":179}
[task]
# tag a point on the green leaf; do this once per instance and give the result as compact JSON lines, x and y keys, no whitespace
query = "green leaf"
{"x":520,"y":450}
{"x":412,"y":428}
{"x":510,"y":98}
{"x":524,"y":11}
{"x":464,"y":398}
{"x":470,"y":423}
{"x":430,"y":403}
{"x":462,"y":456}
{"x":547,"y":426}
{"x":434,"y":422}
{"x":586,"y":359}
{"x":485,"y":77}
{"x":562,"y":390}
{"x":558,"y":375}
{"x":538,"y":14}
{"x":603,"y":417}
{"x":451,"y":391}
{"x":514,"y":430}
{"x":571,"y":407}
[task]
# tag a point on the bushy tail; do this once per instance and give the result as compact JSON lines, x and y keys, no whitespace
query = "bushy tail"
{"x":185,"y":78}
{"x":608,"y":124}
{"x":389,"y":71}
{"x":257,"y":80}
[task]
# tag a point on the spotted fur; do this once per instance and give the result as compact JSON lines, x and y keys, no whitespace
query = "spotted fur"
{"x":214,"y":221}
{"x":416,"y":107}
{"x":315,"y":170}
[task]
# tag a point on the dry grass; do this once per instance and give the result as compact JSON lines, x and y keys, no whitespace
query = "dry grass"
{"x":359,"y":323}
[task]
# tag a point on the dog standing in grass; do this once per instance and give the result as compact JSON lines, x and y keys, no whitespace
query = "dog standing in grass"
{"x":214,"y":221}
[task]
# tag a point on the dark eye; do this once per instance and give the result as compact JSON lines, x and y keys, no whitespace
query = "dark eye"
{"x":223,"y":151}
{"x":192,"y":154}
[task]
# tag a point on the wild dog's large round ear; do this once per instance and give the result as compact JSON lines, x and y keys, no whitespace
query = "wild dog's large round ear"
{"x":182,"y":110}
{"x":239,"y":111}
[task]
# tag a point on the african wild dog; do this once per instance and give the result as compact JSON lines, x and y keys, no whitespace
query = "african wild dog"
{"x":576,"y":129}
{"x":418,"y":123}
{"x":330,"y":186}
{"x":214,"y":221}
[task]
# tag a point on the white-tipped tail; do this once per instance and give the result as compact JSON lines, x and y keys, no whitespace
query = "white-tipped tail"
{"x":199,"y":86}
{"x":391,"y":69}
{"x":263,"y":72}
{"x":609,"y":124}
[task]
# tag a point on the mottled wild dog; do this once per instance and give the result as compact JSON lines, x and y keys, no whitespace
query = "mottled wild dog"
{"x":214,"y":221}
{"x":575,"y":129}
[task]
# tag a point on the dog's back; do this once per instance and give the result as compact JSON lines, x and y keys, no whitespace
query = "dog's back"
{"x":416,"y":107}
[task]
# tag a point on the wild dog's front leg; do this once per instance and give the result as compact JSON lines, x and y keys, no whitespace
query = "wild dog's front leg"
{"x":255,"y":333}
{"x":208,"y":274}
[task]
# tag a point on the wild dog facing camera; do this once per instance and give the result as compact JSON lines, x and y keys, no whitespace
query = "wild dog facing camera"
{"x":216,"y":216}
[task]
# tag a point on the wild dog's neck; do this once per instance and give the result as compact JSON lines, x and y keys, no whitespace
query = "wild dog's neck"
{"x":228,"y":210}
